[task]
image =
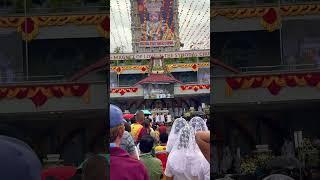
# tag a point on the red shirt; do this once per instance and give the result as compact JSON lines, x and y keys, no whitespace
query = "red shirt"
{"x":123,"y":167}
{"x":162,"y":129}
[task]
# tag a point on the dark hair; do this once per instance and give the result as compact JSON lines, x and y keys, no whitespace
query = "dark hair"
{"x":96,"y":168}
{"x":127,"y":127}
{"x":99,"y":144}
{"x":154,"y":127}
{"x":164,"y":138}
{"x":146,"y":123}
{"x":133,"y":120}
{"x":146,"y":144}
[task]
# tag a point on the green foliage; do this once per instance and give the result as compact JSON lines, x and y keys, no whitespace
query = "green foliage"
{"x":119,"y":49}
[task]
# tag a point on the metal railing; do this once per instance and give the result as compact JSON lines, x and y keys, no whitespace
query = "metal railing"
{"x":277,"y":68}
{"x":20,"y":79}
{"x":254,"y":3}
{"x":10,"y":9}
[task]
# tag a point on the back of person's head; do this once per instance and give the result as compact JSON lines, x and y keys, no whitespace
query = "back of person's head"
{"x":127,"y":127}
{"x":154,"y":127}
{"x":146,"y":123}
{"x":116,"y":133}
{"x":133,"y":120}
{"x":18,"y":161}
{"x":146,"y":144}
{"x":96,"y":168}
{"x":116,"y":123}
{"x":99,"y":144}
{"x":163,"y":137}
{"x":139,"y":116}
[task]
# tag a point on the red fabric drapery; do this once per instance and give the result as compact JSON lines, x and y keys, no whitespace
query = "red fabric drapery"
{"x":274,"y":83}
{"x":39,"y":95}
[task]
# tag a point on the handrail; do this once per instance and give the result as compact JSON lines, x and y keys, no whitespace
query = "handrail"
{"x":261,"y":73}
{"x":40,"y":83}
{"x":45,"y":10}
{"x":20,"y":79}
{"x":218,"y":4}
{"x":293,"y":67}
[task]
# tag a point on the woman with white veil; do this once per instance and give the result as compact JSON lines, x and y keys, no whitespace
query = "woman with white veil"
{"x":186,"y":162}
{"x":175,"y":129}
{"x":198,"y":124}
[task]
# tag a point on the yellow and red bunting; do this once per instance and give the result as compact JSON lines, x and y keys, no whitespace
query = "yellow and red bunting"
{"x":29,"y":27}
{"x":274,"y":83}
{"x":123,"y":91}
{"x":120,"y":69}
{"x":193,"y":66}
{"x":39,"y":95}
{"x":270,"y":16}
{"x":270,"y":20}
{"x":195,"y":88}
{"x":103,"y":27}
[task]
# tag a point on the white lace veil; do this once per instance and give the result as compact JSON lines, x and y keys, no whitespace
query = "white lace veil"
{"x":198,"y":124}
{"x":186,"y":155}
{"x":175,"y":129}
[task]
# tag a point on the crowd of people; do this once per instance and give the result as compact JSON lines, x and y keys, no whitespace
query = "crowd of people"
{"x":150,"y":150}
{"x":139,"y":149}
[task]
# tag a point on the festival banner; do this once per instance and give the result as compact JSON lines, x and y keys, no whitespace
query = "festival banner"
{"x":180,"y":54}
{"x":157,"y":23}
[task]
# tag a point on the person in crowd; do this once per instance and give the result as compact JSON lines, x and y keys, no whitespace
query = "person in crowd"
{"x":96,"y":168}
{"x":127,"y":127}
{"x":198,"y":124}
{"x":186,"y":160}
{"x":155,"y":133}
{"x":18,"y":160}
{"x":169,"y":118}
{"x":175,"y":129}
{"x":160,"y":150}
{"x":99,"y":148}
{"x":162,"y":128}
{"x":153,"y":165}
{"x":203,"y":141}
{"x":122,"y":165}
{"x":146,"y":130}
{"x":127,"y":143}
{"x":157,"y":118}
{"x":136,"y":125}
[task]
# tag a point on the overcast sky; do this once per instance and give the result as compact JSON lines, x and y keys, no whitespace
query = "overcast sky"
{"x":194,"y":23}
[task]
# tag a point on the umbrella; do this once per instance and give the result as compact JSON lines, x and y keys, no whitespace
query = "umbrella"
{"x":146,"y":112}
{"x":128,"y":116}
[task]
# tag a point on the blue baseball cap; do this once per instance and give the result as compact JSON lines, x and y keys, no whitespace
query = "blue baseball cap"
{"x":116,"y":116}
{"x":18,"y":161}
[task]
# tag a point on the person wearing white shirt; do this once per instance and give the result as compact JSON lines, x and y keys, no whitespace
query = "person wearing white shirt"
{"x":169,"y":118}
{"x":162,"y":118}
{"x":157,"y":118}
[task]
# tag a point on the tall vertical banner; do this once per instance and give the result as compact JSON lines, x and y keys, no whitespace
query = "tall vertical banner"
{"x":157,"y":19}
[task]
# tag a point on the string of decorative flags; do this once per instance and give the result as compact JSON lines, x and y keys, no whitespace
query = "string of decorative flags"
{"x":270,"y":16}
{"x":274,"y":83}
{"x":170,"y":67}
{"x":40,"y":94}
{"x":205,"y":15}
{"x":195,"y":88}
{"x":29,"y":26}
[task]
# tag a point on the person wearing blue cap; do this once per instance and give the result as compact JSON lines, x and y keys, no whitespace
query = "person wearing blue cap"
{"x":122,"y":165}
{"x":18,"y":161}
